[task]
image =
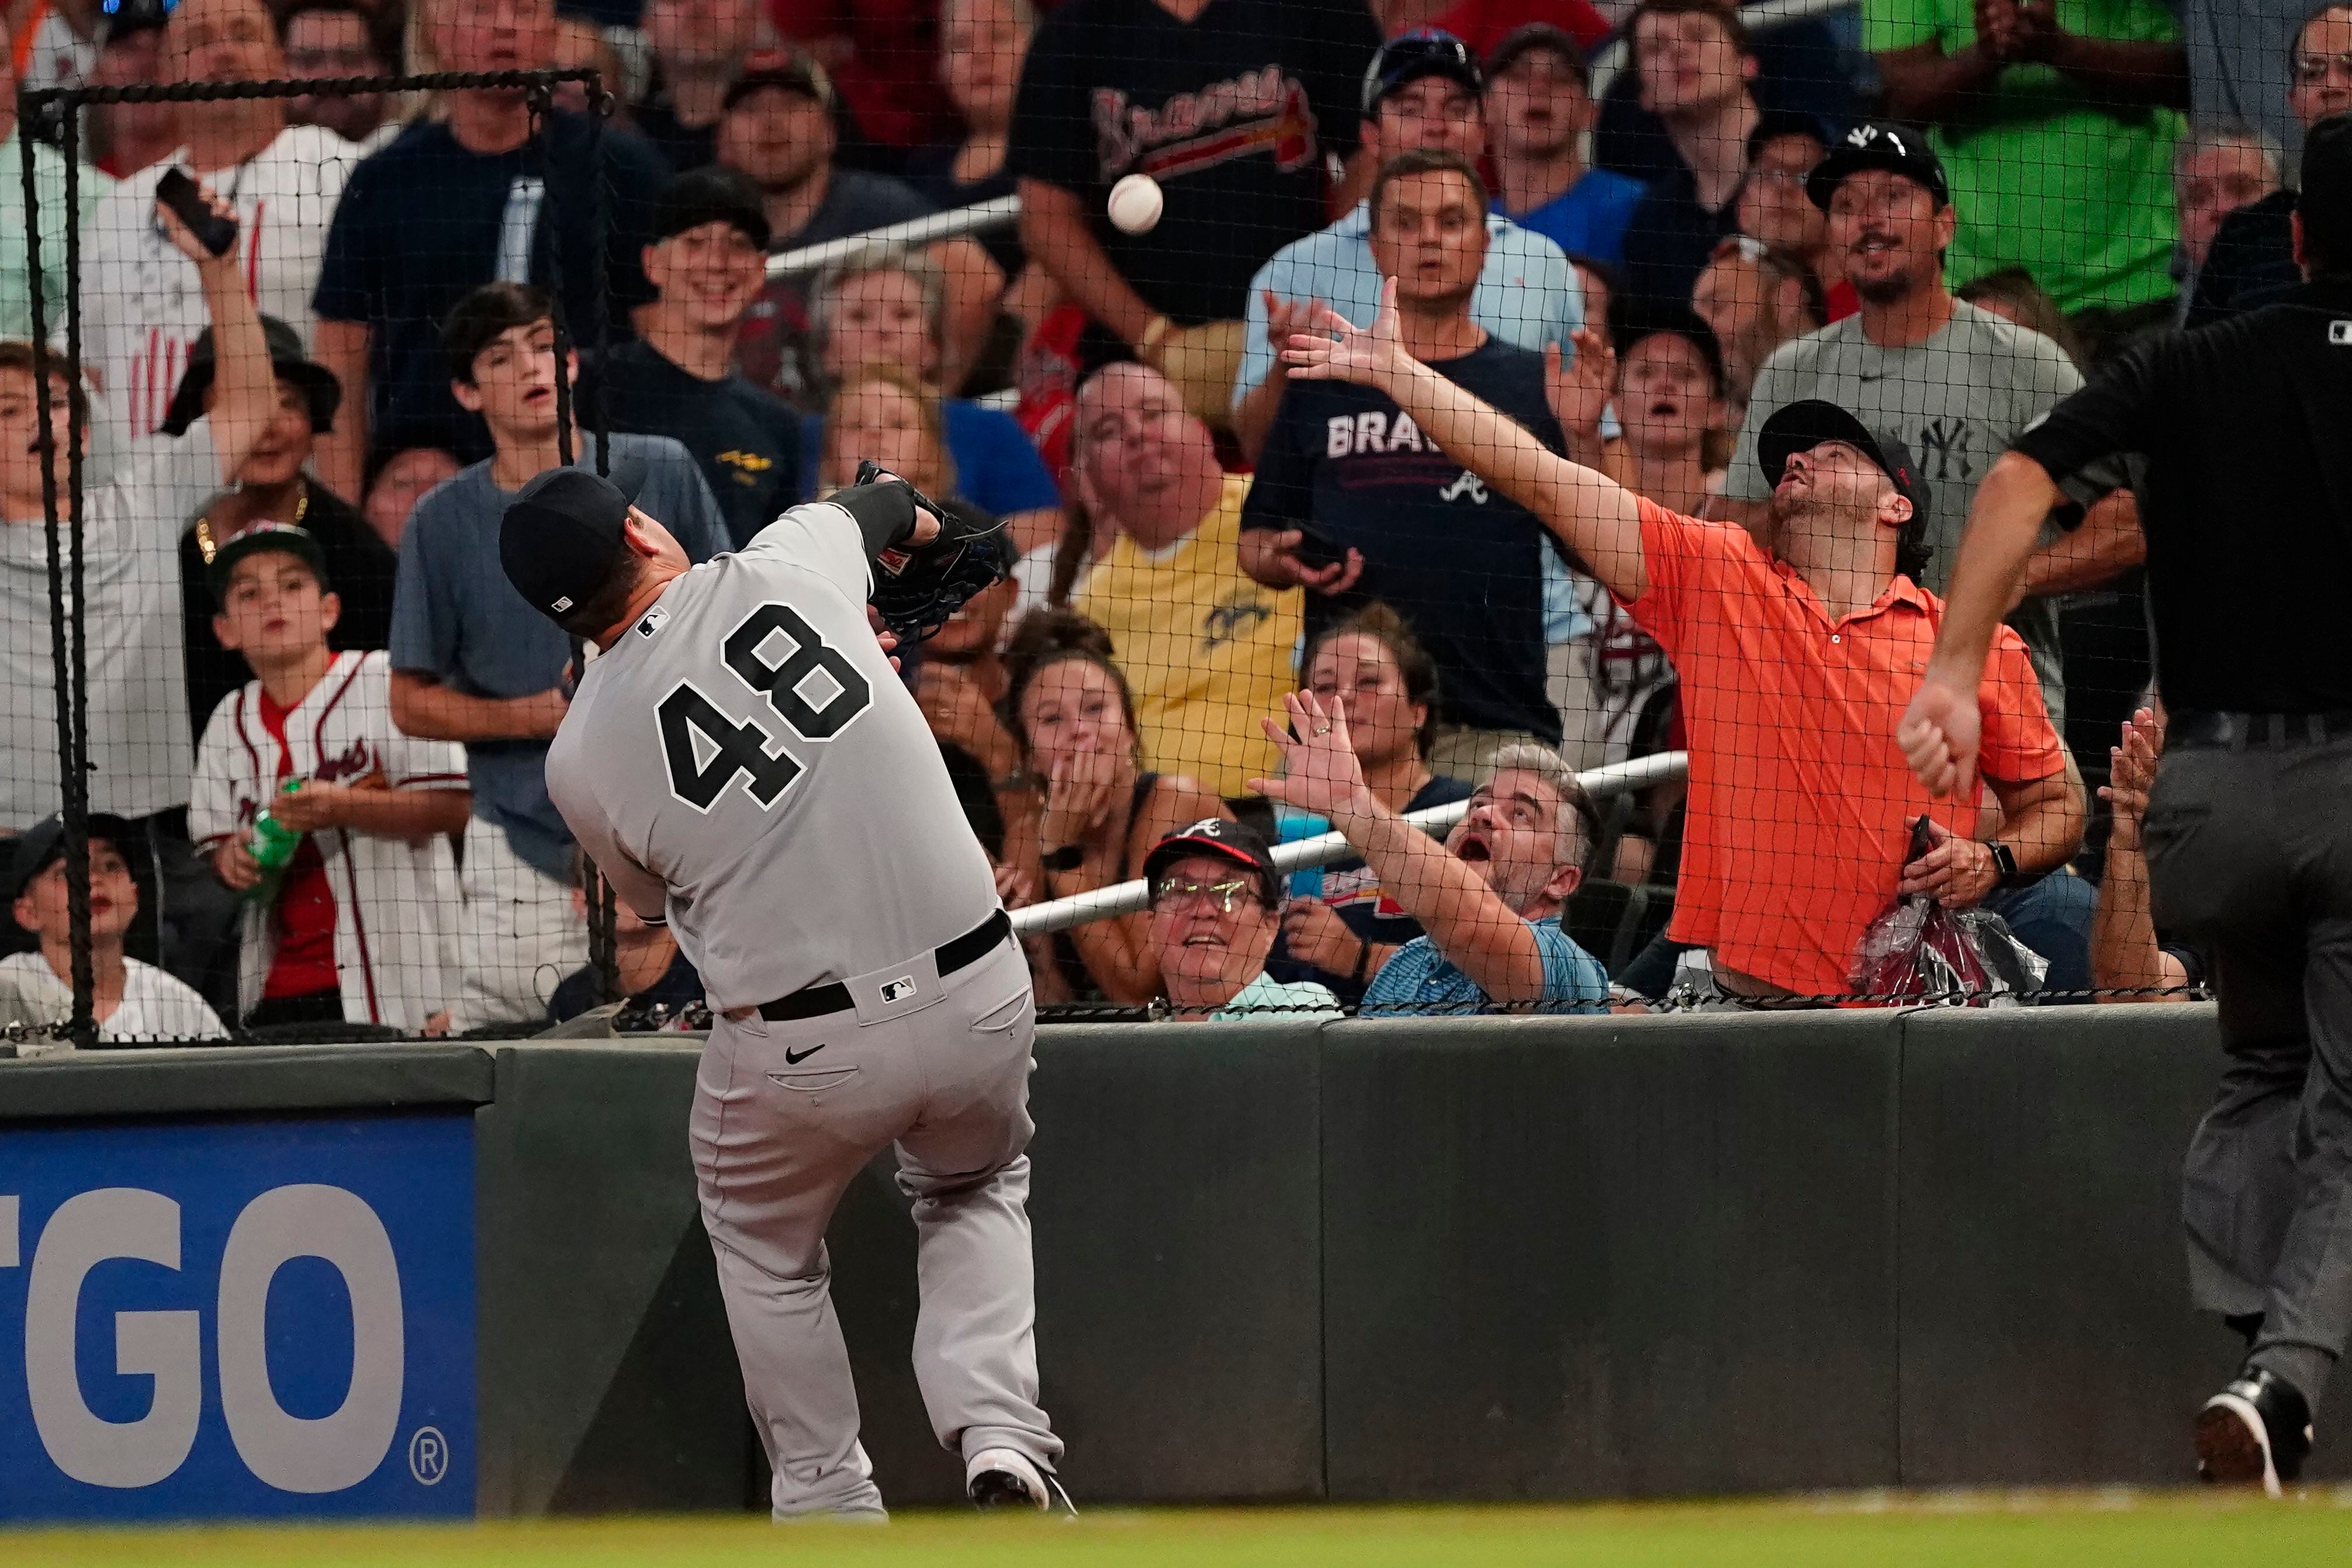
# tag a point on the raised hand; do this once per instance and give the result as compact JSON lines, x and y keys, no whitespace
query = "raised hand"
{"x":1337,"y":350}
{"x":1285,"y":318}
{"x":1320,"y":770}
{"x":1939,"y":735}
{"x":184,"y":239}
{"x":2131,"y":770}
{"x":1578,"y":390}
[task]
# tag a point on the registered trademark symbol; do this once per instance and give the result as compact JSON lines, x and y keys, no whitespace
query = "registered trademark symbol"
{"x":428,"y":1455}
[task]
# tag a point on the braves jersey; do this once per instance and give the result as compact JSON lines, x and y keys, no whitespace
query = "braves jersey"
{"x":142,"y":303}
{"x":745,"y":763}
{"x":395,"y":901}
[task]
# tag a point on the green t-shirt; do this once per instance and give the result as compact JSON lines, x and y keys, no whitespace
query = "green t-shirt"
{"x":2079,"y":195}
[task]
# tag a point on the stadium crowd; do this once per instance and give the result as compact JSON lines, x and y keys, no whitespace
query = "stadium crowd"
{"x":1796,"y":287}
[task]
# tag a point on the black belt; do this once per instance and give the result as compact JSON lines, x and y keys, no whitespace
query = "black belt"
{"x":815,"y":1001}
{"x":2237,"y":731}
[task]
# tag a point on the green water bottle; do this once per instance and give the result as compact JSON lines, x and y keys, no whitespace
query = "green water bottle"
{"x":273,"y":846}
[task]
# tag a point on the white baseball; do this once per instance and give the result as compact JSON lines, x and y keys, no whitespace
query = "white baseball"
{"x":1135,"y":204}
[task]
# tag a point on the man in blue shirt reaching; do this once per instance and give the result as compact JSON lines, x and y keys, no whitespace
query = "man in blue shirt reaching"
{"x":1488,"y":898}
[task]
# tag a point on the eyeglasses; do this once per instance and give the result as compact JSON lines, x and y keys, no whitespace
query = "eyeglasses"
{"x":1227,"y":896}
{"x":2319,"y":67}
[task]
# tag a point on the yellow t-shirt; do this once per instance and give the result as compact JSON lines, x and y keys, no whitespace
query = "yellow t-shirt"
{"x":1207,"y":652}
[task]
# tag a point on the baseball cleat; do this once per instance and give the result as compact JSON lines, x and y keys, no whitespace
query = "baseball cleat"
{"x":1005,"y":1477}
{"x":2255,"y":1432}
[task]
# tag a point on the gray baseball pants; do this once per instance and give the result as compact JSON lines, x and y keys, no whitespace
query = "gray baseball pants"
{"x":786,"y":1116}
{"x":2250,"y":858}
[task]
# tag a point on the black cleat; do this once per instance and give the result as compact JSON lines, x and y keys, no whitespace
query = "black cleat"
{"x":2255,"y":1432}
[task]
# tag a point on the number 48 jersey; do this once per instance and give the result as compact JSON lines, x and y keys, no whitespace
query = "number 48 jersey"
{"x":744,"y":760}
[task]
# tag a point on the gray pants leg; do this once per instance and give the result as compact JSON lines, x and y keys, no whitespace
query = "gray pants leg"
{"x":2250,"y":855}
{"x":943,"y":1072}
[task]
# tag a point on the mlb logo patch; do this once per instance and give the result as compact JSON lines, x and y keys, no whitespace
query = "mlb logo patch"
{"x":898,"y":990}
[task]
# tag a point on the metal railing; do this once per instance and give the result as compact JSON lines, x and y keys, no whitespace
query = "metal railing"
{"x":1128,"y":897}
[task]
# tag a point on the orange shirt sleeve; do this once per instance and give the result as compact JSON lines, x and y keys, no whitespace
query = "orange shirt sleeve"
{"x":1687,"y":561}
{"x":2019,"y":744}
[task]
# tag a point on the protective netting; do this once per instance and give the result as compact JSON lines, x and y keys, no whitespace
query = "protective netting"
{"x":1747,"y":302}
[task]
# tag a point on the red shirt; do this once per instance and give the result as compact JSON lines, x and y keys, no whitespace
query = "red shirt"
{"x":1801,"y":802}
{"x":305,"y":911}
{"x":1483,"y":24}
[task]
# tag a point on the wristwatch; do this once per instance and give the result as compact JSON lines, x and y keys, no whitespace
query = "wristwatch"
{"x":1069,"y":857}
{"x":2004,"y":862}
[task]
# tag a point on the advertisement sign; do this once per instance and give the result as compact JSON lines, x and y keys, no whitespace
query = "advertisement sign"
{"x":266,"y":1317}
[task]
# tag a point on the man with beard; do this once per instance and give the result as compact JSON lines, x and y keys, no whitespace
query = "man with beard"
{"x":1955,"y":384}
{"x":1794,"y":668}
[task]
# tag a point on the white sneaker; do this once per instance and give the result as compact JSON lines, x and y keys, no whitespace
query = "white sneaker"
{"x":1007,"y":1478}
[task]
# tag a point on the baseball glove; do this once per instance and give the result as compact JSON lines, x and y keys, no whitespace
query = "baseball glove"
{"x":917,"y":589}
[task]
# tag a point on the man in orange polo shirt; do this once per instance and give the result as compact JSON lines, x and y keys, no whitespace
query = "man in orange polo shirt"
{"x":1793,"y":669}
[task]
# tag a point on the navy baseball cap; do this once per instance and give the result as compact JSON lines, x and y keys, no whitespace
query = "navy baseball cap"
{"x":1220,"y":839}
{"x":715,"y":194}
{"x":1529,"y":36}
{"x":43,"y":844}
{"x":284,"y":538}
{"x":560,"y":540}
{"x":1880,"y":144}
{"x":1804,"y":424}
{"x":1420,"y":52}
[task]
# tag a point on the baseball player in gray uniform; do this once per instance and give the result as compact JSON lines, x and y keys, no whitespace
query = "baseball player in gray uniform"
{"x":741,"y":761}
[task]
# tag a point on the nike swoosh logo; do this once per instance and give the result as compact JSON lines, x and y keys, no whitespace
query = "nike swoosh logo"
{"x":794,"y":1058}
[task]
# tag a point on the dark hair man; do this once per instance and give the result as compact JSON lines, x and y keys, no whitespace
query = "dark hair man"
{"x":1695,"y":65}
{"x":2248,"y":846}
{"x":1539,"y":103}
{"x":329,"y":39}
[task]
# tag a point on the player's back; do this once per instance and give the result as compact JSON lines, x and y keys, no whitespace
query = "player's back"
{"x":747,"y":743}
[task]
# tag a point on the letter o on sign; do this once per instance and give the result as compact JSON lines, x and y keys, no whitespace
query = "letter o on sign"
{"x":338,"y":1451}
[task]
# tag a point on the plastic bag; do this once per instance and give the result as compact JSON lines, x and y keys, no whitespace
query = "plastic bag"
{"x":1918,"y":951}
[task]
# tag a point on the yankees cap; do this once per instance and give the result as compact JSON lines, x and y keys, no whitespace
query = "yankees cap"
{"x":1804,"y":424}
{"x":560,"y":538}
{"x":1880,"y":144}
{"x":1217,"y":837}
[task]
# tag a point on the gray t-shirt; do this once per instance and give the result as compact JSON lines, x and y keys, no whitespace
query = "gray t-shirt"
{"x":745,"y":762}
{"x":1959,"y":398}
{"x":455,"y":617}
{"x":138,"y":734}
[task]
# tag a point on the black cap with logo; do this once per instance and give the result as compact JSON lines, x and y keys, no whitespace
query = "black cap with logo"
{"x":1217,"y":837}
{"x":1880,"y":144}
{"x":1420,"y":52}
{"x":1804,"y":424}
{"x":284,"y":538}
{"x":560,"y":540}
{"x":795,"y":70}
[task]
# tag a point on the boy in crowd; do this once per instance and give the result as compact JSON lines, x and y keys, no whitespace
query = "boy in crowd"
{"x":134,"y":1000}
{"x":473,"y":661}
{"x":352,"y":929}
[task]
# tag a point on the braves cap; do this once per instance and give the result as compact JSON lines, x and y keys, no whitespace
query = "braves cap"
{"x":284,"y":538}
{"x":1418,"y":52}
{"x":795,"y":70}
{"x":1880,"y":144}
{"x":711,"y":195}
{"x":43,"y":844}
{"x":1530,"y":36}
{"x":560,"y":538}
{"x":2325,"y":203}
{"x":1803,"y":425}
{"x":1217,"y":837}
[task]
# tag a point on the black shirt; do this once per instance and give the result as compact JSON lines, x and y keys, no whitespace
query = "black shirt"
{"x":361,"y":571}
{"x":2250,"y":261}
{"x":656,"y":121}
{"x":2246,"y":501}
{"x":1463,"y":564}
{"x":1231,"y":113}
{"x":931,"y":171}
{"x":420,"y":226}
{"x":1670,"y":236}
{"x":747,"y":440}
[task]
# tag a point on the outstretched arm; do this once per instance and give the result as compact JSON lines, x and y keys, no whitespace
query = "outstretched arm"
{"x":1940,"y":729}
{"x":1593,"y":514}
{"x":245,"y":384}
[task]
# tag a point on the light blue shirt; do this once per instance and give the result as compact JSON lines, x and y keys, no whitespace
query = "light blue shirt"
{"x":1527,"y":294}
{"x":1266,"y":997}
{"x":1419,"y":978}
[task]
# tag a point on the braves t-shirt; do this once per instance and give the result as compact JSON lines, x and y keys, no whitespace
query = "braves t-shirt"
{"x":1232,"y":112}
{"x":1461,"y":563}
{"x":747,"y":439}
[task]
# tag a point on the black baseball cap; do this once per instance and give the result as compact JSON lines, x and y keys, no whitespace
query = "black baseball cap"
{"x":43,"y":844}
{"x":1647,"y":319}
{"x":711,"y":195}
{"x":2325,"y":203}
{"x":320,"y":387}
{"x":560,"y":538}
{"x":1217,"y":837}
{"x":1880,"y":144}
{"x":1418,"y":52}
{"x":1804,"y":424}
{"x":284,"y":538}
{"x":1535,"y":35}
{"x":121,"y":19}
{"x":795,"y":70}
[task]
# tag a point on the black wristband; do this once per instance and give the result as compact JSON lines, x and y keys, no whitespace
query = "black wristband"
{"x":2004,"y":862}
{"x":1069,"y":857}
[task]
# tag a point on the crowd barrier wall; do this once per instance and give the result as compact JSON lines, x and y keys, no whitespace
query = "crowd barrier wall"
{"x":1468,"y":1259}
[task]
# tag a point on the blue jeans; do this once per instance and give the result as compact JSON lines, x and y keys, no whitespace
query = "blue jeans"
{"x":2053,"y":917}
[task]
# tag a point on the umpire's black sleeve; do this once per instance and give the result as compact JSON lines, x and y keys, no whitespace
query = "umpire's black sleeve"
{"x":2105,"y":416}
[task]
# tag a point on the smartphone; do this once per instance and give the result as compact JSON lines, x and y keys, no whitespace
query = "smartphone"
{"x":178,"y":190}
{"x":1316,"y":550}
